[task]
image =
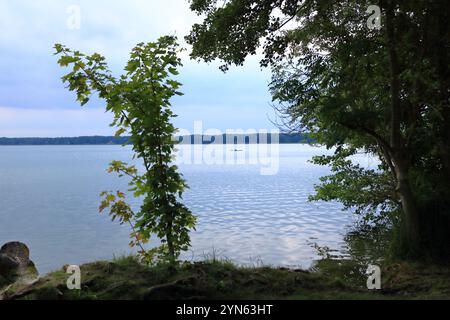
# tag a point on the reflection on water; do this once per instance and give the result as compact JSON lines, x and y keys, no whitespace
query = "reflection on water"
{"x":49,"y":200}
{"x":363,"y":246}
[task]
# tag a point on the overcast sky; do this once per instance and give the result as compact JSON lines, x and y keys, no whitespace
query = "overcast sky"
{"x":34,"y":102}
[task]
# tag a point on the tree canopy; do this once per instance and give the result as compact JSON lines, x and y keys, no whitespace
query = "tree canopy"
{"x":384,"y":91}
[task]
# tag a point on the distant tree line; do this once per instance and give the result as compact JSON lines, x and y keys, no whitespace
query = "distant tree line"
{"x":193,"y":139}
{"x":96,"y":140}
{"x":246,"y":139}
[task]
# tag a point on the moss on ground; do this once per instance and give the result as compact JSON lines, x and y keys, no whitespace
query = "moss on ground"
{"x":126,"y":278}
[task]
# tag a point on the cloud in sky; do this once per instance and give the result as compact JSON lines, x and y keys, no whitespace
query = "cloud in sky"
{"x":19,"y":122}
{"x":35,"y":102}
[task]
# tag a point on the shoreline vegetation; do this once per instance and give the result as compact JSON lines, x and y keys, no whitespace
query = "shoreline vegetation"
{"x":125,"y":278}
{"x":192,"y":139}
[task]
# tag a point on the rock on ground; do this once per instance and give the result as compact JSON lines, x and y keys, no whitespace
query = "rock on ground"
{"x":15,"y":264}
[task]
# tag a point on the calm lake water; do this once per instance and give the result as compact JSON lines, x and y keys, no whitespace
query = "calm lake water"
{"x":49,"y":198}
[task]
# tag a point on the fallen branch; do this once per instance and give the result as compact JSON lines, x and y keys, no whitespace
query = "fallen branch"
{"x":19,"y":294}
{"x":177,"y":286}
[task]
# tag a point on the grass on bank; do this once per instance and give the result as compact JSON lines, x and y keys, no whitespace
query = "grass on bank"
{"x":125,"y":278}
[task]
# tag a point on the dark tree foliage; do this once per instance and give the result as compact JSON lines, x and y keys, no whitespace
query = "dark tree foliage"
{"x":381,"y":91}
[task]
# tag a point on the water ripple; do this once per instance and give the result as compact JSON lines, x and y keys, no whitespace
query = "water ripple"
{"x":50,"y":200}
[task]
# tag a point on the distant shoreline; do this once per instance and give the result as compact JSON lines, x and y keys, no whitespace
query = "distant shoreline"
{"x":193,"y":139}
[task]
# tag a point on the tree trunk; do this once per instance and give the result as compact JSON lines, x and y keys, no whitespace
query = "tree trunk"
{"x":398,"y":145}
{"x":170,"y":241}
{"x":410,"y":232}
{"x":444,"y":75}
